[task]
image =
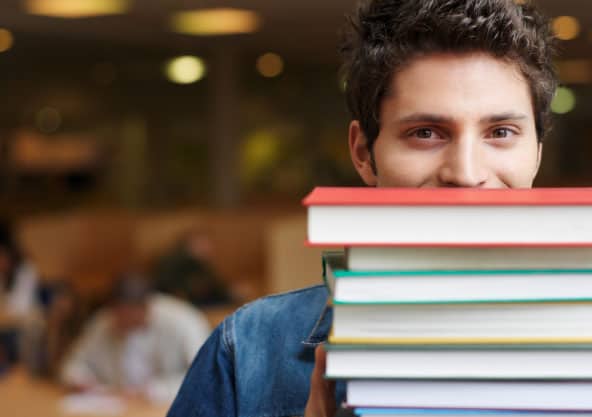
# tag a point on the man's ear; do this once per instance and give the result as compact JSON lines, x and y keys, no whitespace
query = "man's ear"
{"x":360,"y":155}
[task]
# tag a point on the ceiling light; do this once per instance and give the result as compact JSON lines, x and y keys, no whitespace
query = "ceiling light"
{"x":76,"y":8}
{"x":210,"y":22}
{"x":564,"y":101}
{"x":566,"y":27}
{"x":185,"y":69}
{"x":270,"y":65}
{"x":6,"y":40}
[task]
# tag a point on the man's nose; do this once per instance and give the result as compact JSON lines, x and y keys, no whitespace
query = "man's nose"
{"x":464,"y":164}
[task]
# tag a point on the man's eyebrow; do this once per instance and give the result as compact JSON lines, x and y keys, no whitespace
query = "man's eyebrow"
{"x":441,"y":119}
{"x":426,"y":118}
{"x":503,"y":117}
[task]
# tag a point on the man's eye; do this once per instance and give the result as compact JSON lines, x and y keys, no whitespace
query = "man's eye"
{"x":501,"y":132}
{"x":424,"y":133}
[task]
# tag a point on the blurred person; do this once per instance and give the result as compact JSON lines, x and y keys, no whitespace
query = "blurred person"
{"x":64,"y":320}
{"x":48,"y":335}
{"x":140,"y":345}
{"x":186,"y":271}
{"x":18,"y":294}
{"x":449,"y":93}
{"x":18,"y":277}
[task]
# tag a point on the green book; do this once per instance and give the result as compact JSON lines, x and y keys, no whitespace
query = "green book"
{"x":453,"y":286}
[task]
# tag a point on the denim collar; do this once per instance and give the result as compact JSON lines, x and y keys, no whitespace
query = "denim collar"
{"x":320,"y":331}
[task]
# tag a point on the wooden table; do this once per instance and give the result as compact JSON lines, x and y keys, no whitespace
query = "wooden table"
{"x":23,"y":396}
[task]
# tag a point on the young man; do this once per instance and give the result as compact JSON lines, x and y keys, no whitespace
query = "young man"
{"x":443,"y":93}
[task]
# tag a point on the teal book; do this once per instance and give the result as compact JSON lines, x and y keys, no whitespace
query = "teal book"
{"x":454,"y":285}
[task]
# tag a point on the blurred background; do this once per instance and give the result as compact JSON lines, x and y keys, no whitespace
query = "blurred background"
{"x":129,"y":127}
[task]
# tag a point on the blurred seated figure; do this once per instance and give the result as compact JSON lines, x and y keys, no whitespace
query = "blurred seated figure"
{"x":48,"y":335}
{"x":18,"y":278}
{"x":141,"y":344}
{"x":18,"y":294}
{"x":186,"y":272}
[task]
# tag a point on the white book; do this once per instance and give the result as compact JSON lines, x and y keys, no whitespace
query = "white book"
{"x":449,"y":217}
{"x":513,"y":395}
{"x":422,"y":412}
{"x":345,"y":362}
{"x":462,"y":323}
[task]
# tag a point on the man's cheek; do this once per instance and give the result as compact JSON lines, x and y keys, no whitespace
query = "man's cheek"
{"x":406,"y":172}
{"x":517,"y":170}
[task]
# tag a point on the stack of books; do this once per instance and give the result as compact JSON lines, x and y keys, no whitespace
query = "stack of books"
{"x":458,"y":301}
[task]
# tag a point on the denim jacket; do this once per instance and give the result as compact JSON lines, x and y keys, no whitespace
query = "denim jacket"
{"x":258,"y":362}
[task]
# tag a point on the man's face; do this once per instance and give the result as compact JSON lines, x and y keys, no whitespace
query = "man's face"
{"x":453,"y":120}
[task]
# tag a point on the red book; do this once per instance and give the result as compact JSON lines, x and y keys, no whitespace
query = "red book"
{"x":450,"y":217}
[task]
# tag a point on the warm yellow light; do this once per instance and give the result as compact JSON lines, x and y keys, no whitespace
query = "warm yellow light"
{"x":185,"y":69}
{"x":215,"y":22}
{"x":6,"y":40}
{"x":270,"y":65}
{"x":76,"y":8}
{"x":566,"y":27}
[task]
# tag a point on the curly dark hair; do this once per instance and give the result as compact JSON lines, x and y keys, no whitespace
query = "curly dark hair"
{"x":385,"y":35}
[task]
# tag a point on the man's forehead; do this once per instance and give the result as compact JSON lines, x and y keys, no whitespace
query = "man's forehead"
{"x":458,"y":68}
{"x":458,"y":86}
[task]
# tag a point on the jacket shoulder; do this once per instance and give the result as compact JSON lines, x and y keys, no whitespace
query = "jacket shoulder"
{"x":291,"y":315}
{"x":310,"y":300}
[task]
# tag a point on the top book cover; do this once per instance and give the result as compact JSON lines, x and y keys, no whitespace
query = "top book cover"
{"x":368,"y":196}
{"x":362,"y":216}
